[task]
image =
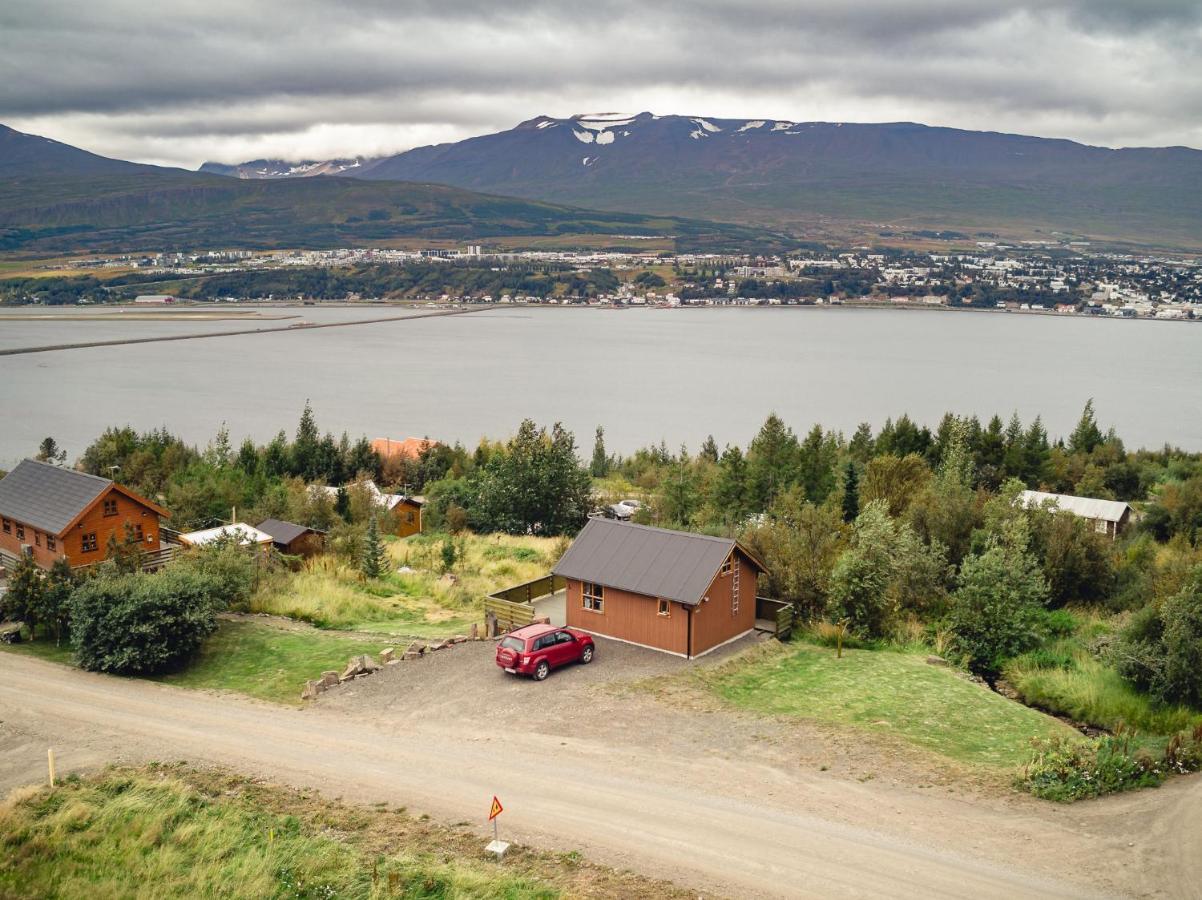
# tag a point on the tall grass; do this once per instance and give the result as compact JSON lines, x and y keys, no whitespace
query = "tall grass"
{"x":425,"y":601}
{"x":134,"y":835}
{"x":1067,"y":680}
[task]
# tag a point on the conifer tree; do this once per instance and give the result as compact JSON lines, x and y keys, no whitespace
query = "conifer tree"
{"x":374,"y":556}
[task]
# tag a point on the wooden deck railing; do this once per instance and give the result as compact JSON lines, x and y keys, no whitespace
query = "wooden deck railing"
{"x":514,"y":607}
{"x":778,"y":612}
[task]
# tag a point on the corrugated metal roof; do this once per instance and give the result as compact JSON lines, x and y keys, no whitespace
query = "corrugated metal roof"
{"x":282,"y":532}
{"x":674,"y":565}
{"x":239,"y":531}
{"x":1085,"y":507}
{"x":47,"y":497}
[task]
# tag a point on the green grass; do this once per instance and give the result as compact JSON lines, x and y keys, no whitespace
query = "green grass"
{"x":887,"y":692}
{"x":268,"y":663}
{"x":1088,"y":691}
{"x":155,"y":836}
{"x":249,"y":658}
{"x":425,"y":602}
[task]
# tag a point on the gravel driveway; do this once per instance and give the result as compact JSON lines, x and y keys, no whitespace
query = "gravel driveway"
{"x":464,"y":681}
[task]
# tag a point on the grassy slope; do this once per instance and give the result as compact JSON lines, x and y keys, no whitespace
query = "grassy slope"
{"x":249,"y":658}
{"x":166,"y":211}
{"x":889,"y":692}
{"x":424,"y":603}
{"x":157,"y":833}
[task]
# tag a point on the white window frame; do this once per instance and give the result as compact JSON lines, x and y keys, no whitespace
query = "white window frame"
{"x":664,"y":608}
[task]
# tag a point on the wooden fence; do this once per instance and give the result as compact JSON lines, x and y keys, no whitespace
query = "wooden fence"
{"x":514,"y":607}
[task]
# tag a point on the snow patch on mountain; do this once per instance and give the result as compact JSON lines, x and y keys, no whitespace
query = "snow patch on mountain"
{"x":783,"y":126}
{"x":758,"y":123}
{"x":585,"y":137}
{"x":605,"y":137}
{"x":708,"y":126}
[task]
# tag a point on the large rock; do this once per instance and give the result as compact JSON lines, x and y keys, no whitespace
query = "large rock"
{"x":359,"y":665}
{"x":936,"y":661}
{"x":312,"y":689}
{"x":329,"y":679}
{"x":386,"y":655}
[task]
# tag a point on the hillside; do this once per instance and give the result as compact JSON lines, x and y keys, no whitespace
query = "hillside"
{"x":827,"y":176}
{"x":54,"y":197}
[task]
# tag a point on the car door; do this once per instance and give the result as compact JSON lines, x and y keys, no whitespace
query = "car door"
{"x":566,"y":648}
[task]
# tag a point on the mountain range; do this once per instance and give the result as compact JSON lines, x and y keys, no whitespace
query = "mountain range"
{"x":54,"y":197}
{"x":809,"y":176}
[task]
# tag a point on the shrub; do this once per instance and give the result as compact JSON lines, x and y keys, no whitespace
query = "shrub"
{"x":230,"y":566}
{"x":139,"y":623}
{"x":1067,"y":769}
{"x":1161,"y":649}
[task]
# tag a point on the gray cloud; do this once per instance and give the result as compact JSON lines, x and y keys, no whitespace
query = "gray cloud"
{"x":191,"y":80}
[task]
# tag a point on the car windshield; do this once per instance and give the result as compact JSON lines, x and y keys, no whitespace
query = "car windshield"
{"x":512,"y":643}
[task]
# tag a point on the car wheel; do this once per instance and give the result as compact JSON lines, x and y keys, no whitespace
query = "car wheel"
{"x":587,"y":656}
{"x":541,"y":671}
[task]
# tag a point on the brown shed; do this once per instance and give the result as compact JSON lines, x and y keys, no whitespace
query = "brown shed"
{"x":51,"y":512}
{"x":674,"y":591}
{"x":293,"y":539}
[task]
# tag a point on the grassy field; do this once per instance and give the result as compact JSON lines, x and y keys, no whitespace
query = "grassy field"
{"x":425,"y":602}
{"x":885,"y":692}
{"x":250,"y":658}
{"x":174,"y":832}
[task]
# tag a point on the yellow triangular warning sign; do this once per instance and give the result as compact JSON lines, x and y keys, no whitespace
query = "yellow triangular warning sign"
{"x":496,"y":809}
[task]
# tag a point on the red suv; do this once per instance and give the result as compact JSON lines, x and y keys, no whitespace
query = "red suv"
{"x":537,"y":649}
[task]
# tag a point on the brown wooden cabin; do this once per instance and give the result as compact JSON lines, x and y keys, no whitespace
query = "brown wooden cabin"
{"x":408,"y":513}
{"x":682,"y":593}
{"x":293,"y":539}
{"x":52,"y":512}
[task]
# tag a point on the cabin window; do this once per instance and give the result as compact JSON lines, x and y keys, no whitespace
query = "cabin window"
{"x":110,"y":506}
{"x":149,"y":537}
{"x":726,"y":566}
{"x":37,"y":538}
{"x":8,"y":527}
{"x":665,"y":608}
{"x":594,"y":597}
{"x":51,"y":543}
{"x":136,"y":530}
{"x":409,"y":517}
{"x":88,"y":543}
{"x":20,"y":532}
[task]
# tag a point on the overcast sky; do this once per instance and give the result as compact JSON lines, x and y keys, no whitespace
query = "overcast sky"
{"x":181,"y":81}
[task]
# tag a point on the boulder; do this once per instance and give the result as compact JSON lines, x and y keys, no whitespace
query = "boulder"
{"x":936,"y":661}
{"x":416,"y":647}
{"x":474,"y":633}
{"x":409,"y":654}
{"x":359,"y":665}
{"x":386,"y":655}
{"x":440,"y":646}
{"x":406,"y":570}
{"x":311,"y":690}
{"x":329,"y":679}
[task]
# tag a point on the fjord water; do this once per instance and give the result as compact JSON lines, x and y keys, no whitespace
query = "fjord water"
{"x":645,"y":375}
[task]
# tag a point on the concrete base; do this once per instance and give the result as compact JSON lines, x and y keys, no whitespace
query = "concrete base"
{"x":497,"y":848}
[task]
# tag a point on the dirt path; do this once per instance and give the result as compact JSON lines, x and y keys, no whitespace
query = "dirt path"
{"x":734,"y":824}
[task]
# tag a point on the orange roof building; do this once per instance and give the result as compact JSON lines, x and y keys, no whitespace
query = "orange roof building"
{"x":409,"y":448}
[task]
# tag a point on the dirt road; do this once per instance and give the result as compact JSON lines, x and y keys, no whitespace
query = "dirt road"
{"x":730,"y":824}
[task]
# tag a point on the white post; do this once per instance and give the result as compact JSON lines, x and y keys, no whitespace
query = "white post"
{"x":50,"y":763}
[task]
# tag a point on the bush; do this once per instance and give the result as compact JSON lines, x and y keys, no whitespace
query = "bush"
{"x":1068,"y":769}
{"x":230,"y":566}
{"x":1161,"y":649}
{"x":143,"y":624}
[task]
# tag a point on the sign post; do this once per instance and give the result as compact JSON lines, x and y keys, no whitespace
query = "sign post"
{"x":498,"y":846}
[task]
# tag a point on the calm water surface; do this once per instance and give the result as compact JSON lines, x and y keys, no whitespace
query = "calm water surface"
{"x":645,"y":375}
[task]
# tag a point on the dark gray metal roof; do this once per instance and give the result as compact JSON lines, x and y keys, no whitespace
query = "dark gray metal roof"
{"x":47,"y":497}
{"x":674,"y":565}
{"x":283,"y":532}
